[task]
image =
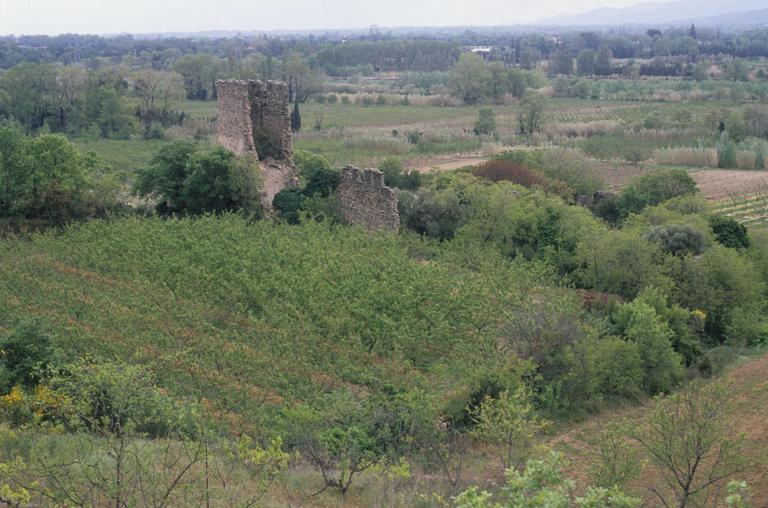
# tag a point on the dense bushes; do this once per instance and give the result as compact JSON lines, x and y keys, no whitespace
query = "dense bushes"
{"x":185,"y":179}
{"x":29,"y":355}
{"x":729,"y":233}
{"x":498,"y":170}
{"x":395,"y":176}
{"x":566,"y":172}
{"x":654,"y":188}
{"x":46,"y":178}
{"x":316,"y":196}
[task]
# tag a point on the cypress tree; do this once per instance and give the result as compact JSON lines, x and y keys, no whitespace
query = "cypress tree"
{"x":295,"y":116}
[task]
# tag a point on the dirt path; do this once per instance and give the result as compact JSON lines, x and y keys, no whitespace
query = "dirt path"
{"x":446,"y":162}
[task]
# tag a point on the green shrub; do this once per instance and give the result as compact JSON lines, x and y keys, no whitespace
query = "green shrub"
{"x":571,"y":167}
{"x":486,"y":121}
{"x":217,"y":181}
{"x":654,"y":188}
{"x":116,"y":398}
{"x":186,"y":179}
{"x":394,"y":176}
{"x":46,"y":178}
{"x":28,"y":355}
{"x":289,"y":202}
{"x":678,"y":240}
{"x":155,"y":131}
{"x":716,"y":283}
{"x":436,"y":214}
{"x":747,"y":327}
{"x":308,"y":162}
{"x":640,"y":324}
{"x":726,"y":152}
{"x":729,"y":233}
{"x":615,"y":368}
{"x":321,"y":181}
{"x":603,"y":260}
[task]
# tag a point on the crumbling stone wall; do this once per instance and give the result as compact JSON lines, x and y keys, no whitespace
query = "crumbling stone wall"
{"x":254,"y":118}
{"x":365,"y":200}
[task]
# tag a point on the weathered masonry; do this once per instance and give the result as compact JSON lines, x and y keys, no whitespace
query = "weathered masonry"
{"x":254,"y":118}
{"x":366,"y":201}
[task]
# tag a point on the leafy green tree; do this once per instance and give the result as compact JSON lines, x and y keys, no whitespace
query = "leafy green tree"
{"x":519,"y":81}
{"x":560,"y":63}
{"x":603,"y":61}
{"x":571,"y":167}
{"x":322,"y":181}
{"x":394,"y":176}
{"x":603,"y":263}
{"x":747,"y":327}
{"x":28,"y":355}
{"x":678,"y":240}
{"x":685,"y":326}
{"x":641,"y":324}
{"x":393,"y":172}
{"x":716,"y":283}
{"x":218,"y":181}
{"x":614,"y":369}
{"x":486,"y":121}
{"x":200,"y":72}
{"x":115,"y":399}
{"x":470,"y":78}
{"x":166,"y":175}
{"x":529,"y":57}
{"x":585,"y":62}
{"x":508,"y":422}
{"x":729,"y":232}
{"x":531,"y":116}
{"x":32,"y":91}
{"x":736,"y":70}
{"x":71,"y":83}
{"x":289,"y":202}
{"x":308,"y":162}
{"x":46,"y":178}
{"x":187,"y":180}
{"x":296,"y":116}
{"x":654,"y":188}
{"x":726,"y":152}
{"x":105,"y":108}
{"x":701,"y":71}
{"x":434,"y":213}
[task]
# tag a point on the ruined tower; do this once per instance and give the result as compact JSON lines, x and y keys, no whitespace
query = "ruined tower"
{"x":365,"y":200}
{"x":254,"y":118}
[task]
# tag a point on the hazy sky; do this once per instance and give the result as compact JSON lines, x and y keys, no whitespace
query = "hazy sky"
{"x":141,"y":16}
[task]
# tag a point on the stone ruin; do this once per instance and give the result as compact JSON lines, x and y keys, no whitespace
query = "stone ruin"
{"x":254,"y":119}
{"x":365,"y":200}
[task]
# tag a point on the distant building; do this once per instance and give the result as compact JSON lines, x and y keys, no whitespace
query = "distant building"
{"x":483,"y":51}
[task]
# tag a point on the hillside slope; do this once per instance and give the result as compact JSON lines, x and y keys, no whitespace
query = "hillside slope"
{"x":748,"y":386}
{"x":654,"y":12}
{"x":252,"y":318}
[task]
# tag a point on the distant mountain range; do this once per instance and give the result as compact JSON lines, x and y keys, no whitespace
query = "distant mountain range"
{"x":734,"y":19}
{"x":703,"y":12}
